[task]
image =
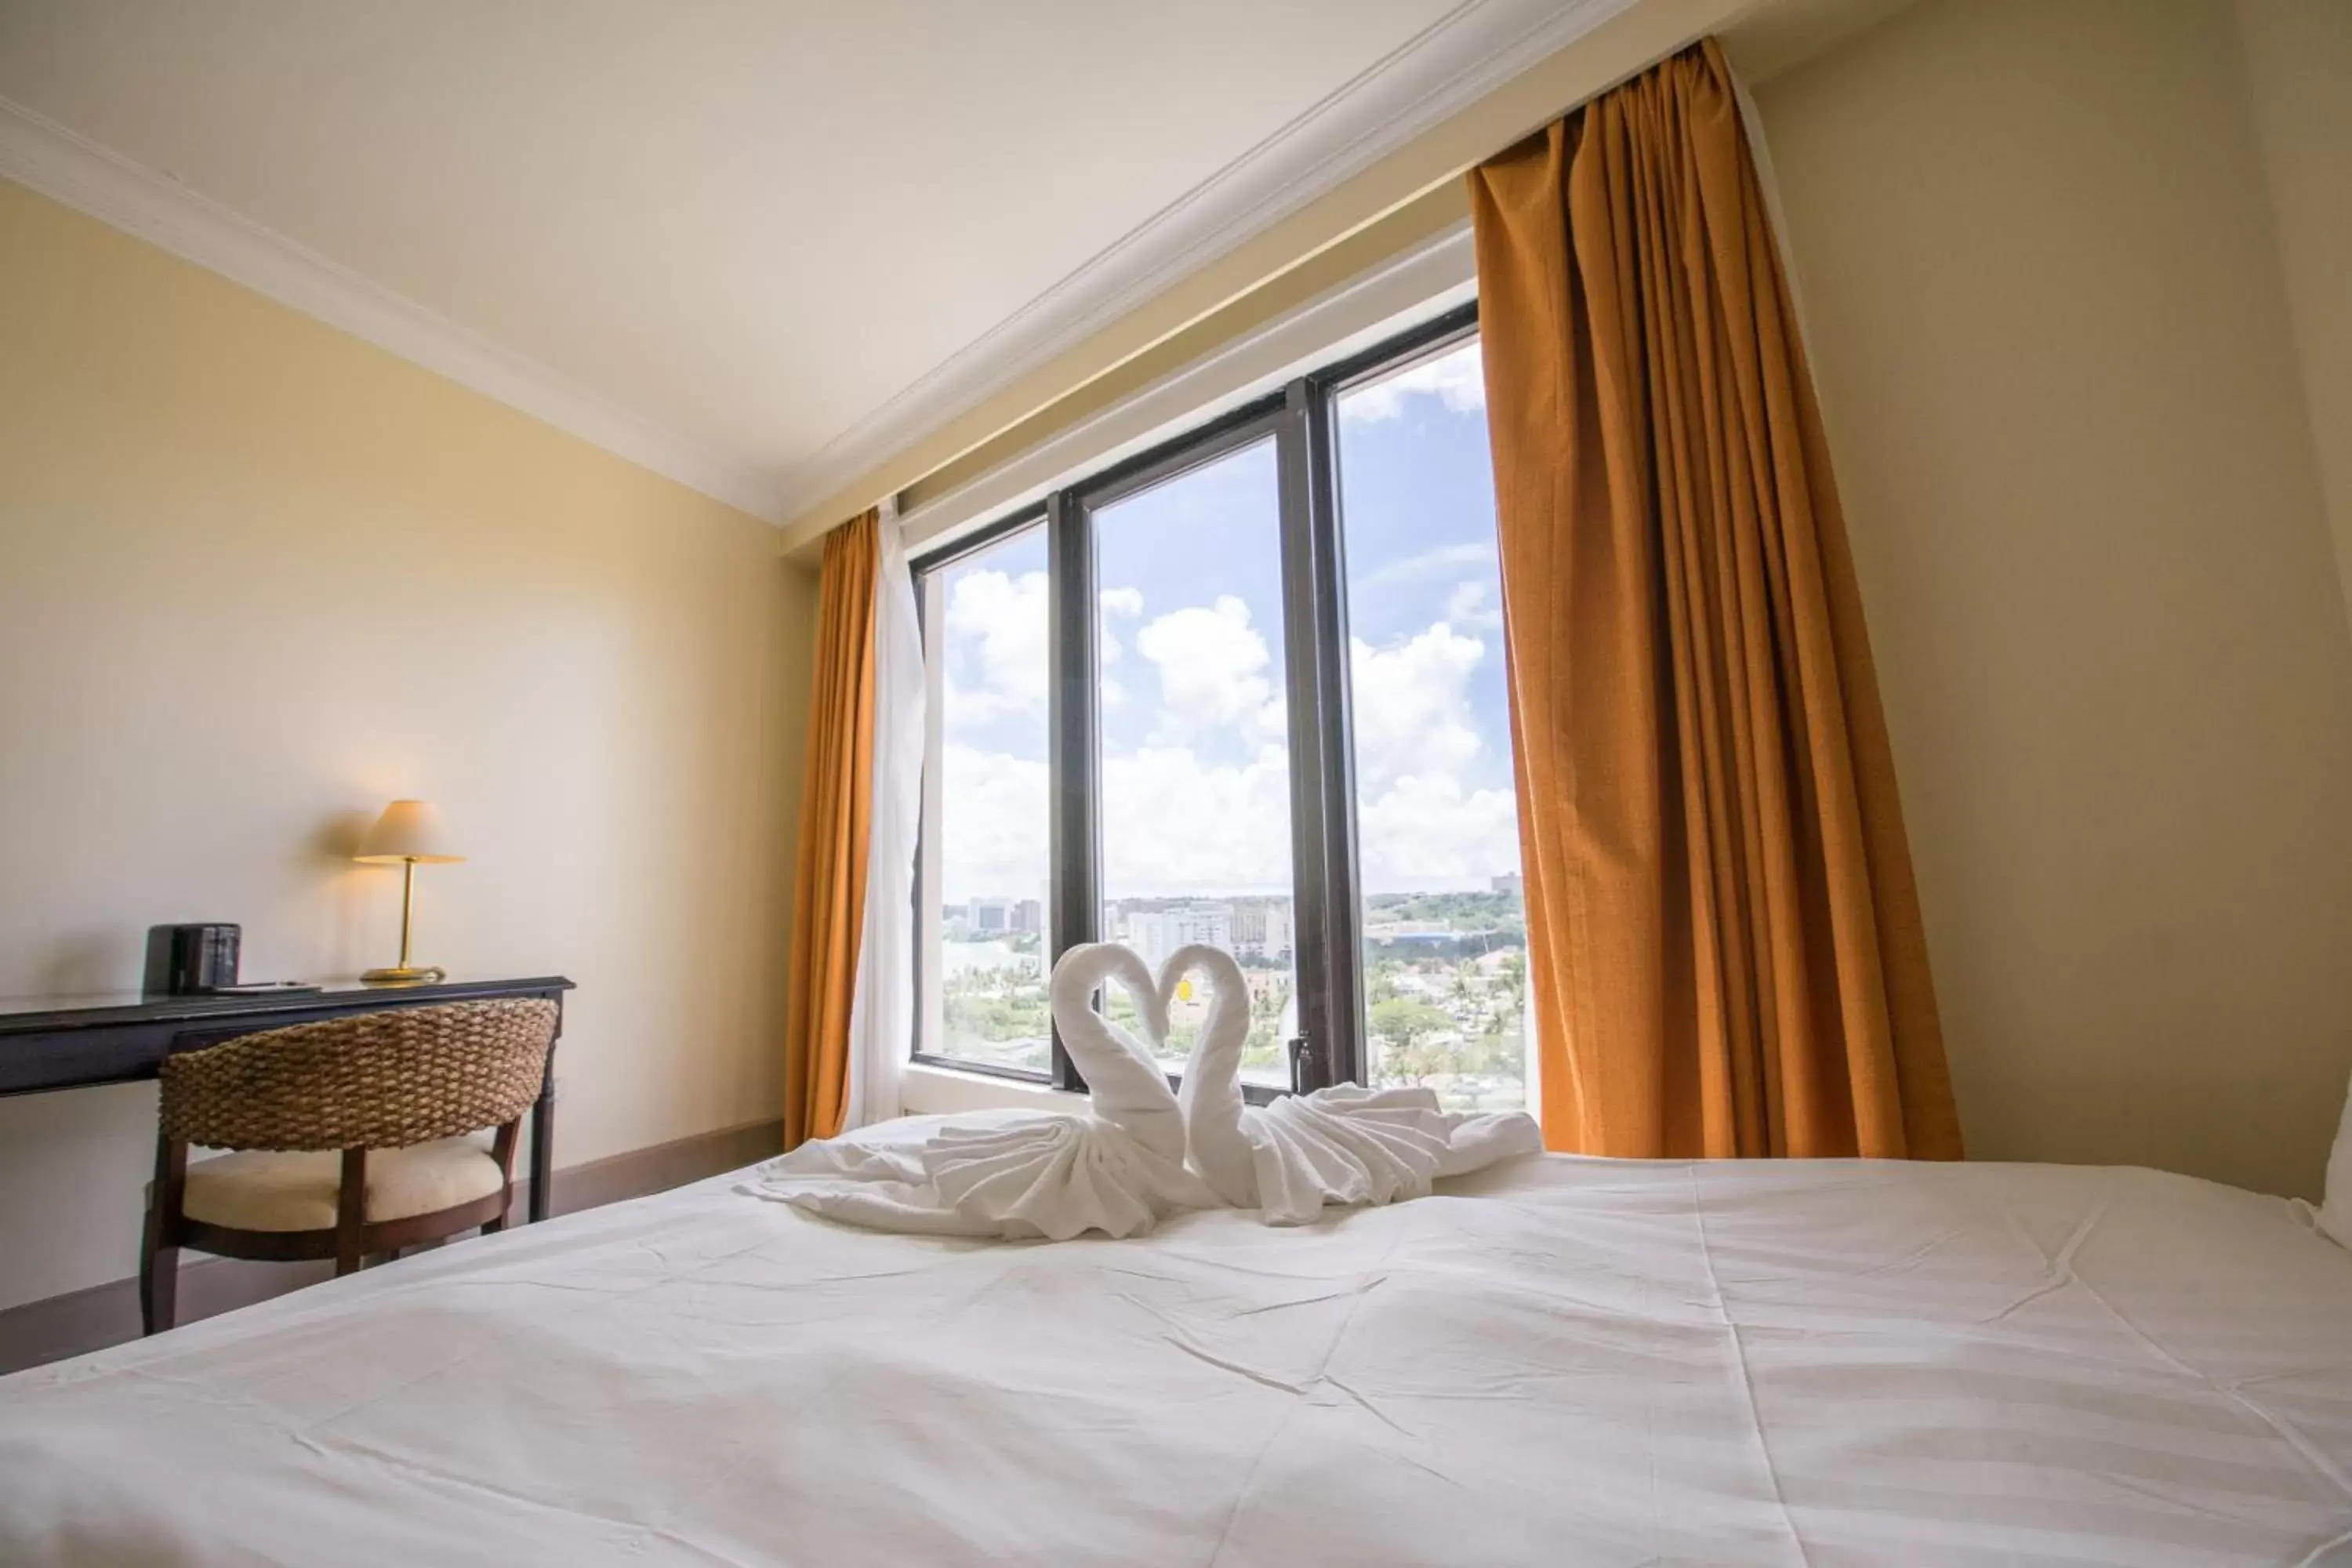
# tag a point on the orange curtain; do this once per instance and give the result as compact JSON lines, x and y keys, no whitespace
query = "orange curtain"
{"x":1724,"y":947}
{"x":836,"y":811}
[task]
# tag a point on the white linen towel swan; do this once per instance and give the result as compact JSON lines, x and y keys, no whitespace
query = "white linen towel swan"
{"x":1123,"y":1167}
{"x":1342,"y":1146}
{"x":1022,"y":1175}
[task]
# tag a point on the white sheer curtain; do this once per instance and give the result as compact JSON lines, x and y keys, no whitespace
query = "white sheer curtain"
{"x":882,"y":1012}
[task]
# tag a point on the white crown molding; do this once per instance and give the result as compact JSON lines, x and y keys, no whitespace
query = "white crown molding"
{"x":1345,"y":319}
{"x":52,"y":159}
{"x":1465,"y":55}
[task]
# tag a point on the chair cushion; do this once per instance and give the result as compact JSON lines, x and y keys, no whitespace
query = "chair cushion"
{"x":264,"y":1189}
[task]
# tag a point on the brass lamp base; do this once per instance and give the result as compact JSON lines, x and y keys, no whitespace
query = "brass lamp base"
{"x":405,"y":975}
{"x":404,"y":972}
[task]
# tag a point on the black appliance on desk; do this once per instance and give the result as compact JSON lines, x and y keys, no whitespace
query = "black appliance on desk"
{"x":191,"y":960}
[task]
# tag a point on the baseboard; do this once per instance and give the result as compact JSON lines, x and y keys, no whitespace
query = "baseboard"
{"x":659,"y":1168}
{"x":85,"y":1320}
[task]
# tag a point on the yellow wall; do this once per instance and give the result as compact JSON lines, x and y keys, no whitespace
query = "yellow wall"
{"x":2052,"y":335}
{"x":2297,"y":55}
{"x":256,"y":578}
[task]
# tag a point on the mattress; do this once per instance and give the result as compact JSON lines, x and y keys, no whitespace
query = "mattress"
{"x":1562,"y":1360}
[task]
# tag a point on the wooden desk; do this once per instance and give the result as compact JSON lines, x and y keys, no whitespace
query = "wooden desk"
{"x":74,"y":1042}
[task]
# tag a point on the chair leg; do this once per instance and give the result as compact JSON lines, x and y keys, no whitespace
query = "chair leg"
{"x":502,"y":1150}
{"x":159,"y":1285}
{"x":351,"y":1218}
{"x":159,"y":1250}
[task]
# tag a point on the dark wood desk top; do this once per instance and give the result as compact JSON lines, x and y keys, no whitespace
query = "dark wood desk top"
{"x":44,"y":1015}
{"x":72,"y":1042}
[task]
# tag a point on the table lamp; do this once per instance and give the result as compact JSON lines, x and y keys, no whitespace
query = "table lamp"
{"x":408,"y":834}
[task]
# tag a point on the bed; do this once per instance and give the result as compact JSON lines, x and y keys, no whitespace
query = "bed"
{"x":1560,"y":1360}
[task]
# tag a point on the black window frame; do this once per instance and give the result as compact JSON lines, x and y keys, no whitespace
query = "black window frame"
{"x":1326,"y":894}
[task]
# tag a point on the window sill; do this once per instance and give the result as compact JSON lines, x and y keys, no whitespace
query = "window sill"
{"x":926,"y":1090}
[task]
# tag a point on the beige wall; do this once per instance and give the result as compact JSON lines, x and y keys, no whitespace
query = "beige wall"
{"x":2054,"y":341}
{"x":2297,"y":56}
{"x":256,"y":578}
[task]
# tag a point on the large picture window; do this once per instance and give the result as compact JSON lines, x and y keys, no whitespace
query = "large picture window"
{"x":987,"y":864}
{"x":1245,"y":690}
{"x":1193,"y":734}
{"x":1442,"y":929}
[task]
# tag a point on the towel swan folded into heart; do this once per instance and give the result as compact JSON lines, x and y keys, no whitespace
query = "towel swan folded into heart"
{"x":1122,"y":1168}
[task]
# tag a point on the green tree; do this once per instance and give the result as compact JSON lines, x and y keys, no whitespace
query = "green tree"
{"x":1406,"y":1021}
{"x":1405,"y":1018}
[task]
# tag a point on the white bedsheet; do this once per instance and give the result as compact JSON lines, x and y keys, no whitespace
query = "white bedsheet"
{"x":1560,"y":1361}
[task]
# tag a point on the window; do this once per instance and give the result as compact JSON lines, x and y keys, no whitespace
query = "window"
{"x":1443,"y":954}
{"x":986,"y":866}
{"x":1245,"y":690}
{"x":1193,"y":734}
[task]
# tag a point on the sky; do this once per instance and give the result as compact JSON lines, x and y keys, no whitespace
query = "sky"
{"x":1195,"y":781}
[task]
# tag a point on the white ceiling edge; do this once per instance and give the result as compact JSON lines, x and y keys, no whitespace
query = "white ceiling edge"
{"x":1343,"y":321}
{"x":38,"y":152}
{"x":1465,"y":54}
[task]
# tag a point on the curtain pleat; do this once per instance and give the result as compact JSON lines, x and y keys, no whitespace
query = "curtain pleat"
{"x":1725,"y":953}
{"x":836,"y":818}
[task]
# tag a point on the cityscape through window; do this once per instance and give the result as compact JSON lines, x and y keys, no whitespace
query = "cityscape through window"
{"x":1195,"y":629}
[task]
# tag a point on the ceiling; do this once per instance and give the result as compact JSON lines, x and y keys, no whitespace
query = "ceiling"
{"x":749,"y":242}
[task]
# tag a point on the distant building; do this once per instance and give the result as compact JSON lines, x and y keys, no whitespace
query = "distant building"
{"x":1156,"y":934}
{"x":1263,"y":931}
{"x":1029,"y":917}
{"x":989,"y":917}
{"x":1511,"y":884}
{"x":1407,"y":931}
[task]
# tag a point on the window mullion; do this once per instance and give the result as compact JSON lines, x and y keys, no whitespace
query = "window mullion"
{"x":1342,"y":905}
{"x":1322,"y":815}
{"x":1072,"y":721}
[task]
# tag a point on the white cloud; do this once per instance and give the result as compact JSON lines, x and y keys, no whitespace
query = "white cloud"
{"x":997,"y":812}
{"x":999,"y":625}
{"x":1472,"y":605}
{"x":1429,"y":833}
{"x":1418,"y":569}
{"x":1419,"y":824}
{"x":1177,"y":822}
{"x":1212,"y":666}
{"x":1457,"y":380}
{"x":1412,"y":707}
{"x":1173,"y":823}
{"x":1118,"y":603}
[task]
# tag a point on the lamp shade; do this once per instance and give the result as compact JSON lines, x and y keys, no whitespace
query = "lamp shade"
{"x":409,"y":830}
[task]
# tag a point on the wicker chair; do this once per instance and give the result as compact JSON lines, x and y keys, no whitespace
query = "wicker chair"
{"x":350,"y":1138}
